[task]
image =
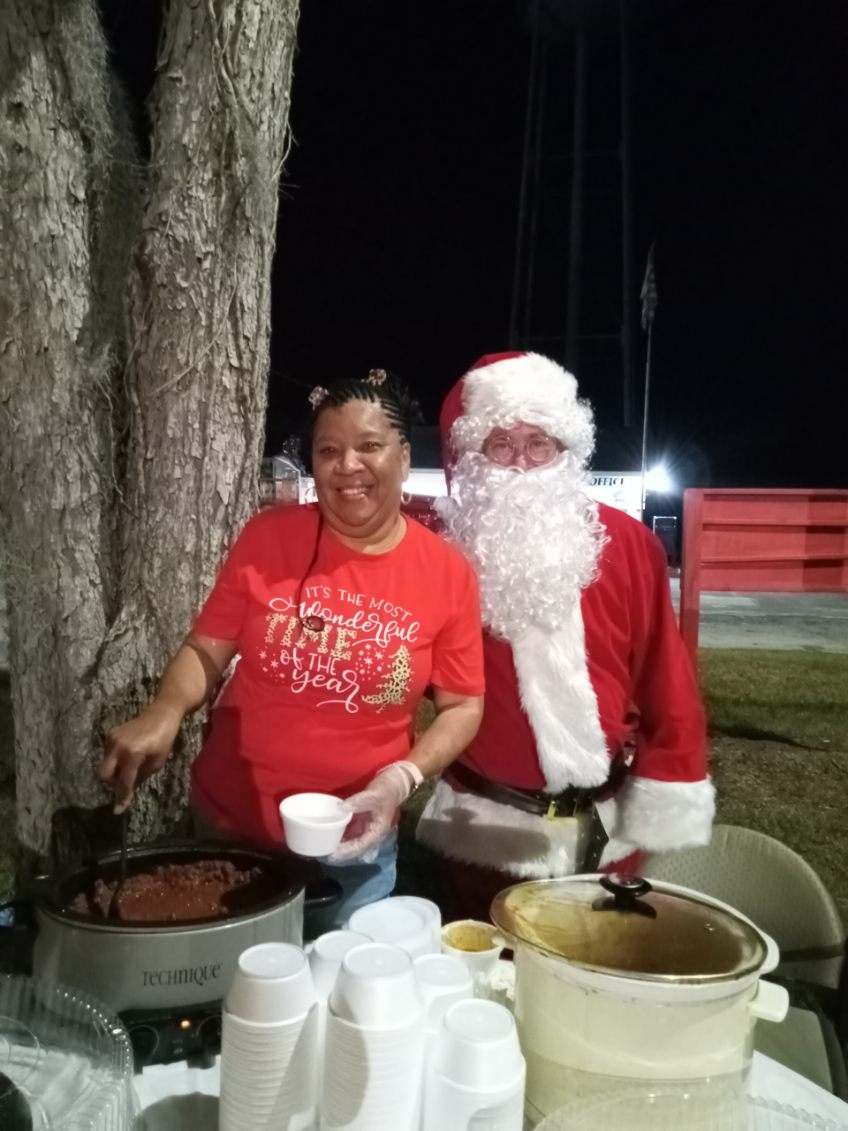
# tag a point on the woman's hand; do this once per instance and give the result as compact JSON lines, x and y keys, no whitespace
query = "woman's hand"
{"x":374,"y":810}
{"x":138,"y":748}
{"x":457,"y":720}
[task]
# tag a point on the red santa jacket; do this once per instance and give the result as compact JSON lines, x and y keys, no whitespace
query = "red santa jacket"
{"x":637,"y":664}
{"x":647,"y":701}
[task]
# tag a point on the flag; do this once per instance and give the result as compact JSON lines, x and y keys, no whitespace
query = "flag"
{"x":648,"y":293}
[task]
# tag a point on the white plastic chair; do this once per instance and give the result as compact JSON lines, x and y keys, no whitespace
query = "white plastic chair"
{"x":773,"y":886}
{"x":782,"y":894}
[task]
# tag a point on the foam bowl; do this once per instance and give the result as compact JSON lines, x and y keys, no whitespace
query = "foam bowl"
{"x":314,"y":823}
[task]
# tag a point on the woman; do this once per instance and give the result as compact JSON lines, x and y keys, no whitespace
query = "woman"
{"x":342,"y":615}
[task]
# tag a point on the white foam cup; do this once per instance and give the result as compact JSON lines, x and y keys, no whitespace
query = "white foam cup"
{"x":388,"y":921}
{"x":372,"y":1080}
{"x":449,"y":1107}
{"x":442,"y":981}
{"x":375,"y":987}
{"x":272,"y":983}
{"x":477,"y":1047}
{"x":481,"y":961}
{"x":314,"y":823}
{"x":430,"y":911}
{"x":326,"y":954}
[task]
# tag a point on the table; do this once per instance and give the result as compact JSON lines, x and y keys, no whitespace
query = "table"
{"x":178,"y":1097}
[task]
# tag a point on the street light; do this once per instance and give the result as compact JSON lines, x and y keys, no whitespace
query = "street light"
{"x":659,"y":480}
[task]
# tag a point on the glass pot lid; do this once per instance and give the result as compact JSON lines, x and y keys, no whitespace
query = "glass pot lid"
{"x":627,"y":927}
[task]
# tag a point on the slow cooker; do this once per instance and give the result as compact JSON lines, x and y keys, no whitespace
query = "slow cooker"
{"x":166,"y":979}
{"x":621,"y":979}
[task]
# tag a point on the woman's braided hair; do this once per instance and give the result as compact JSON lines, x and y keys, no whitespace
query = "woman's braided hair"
{"x":379,"y":387}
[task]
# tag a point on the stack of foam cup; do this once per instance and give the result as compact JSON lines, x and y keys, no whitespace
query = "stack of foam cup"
{"x":397,"y":922}
{"x":269,"y":1043}
{"x":475,"y":1073}
{"x":375,"y":1043}
{"x":325,"y":959}
{"x":442,"y":981}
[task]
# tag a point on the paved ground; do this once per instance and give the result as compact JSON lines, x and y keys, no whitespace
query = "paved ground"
{"x":815,"y":622}
{"x":785,"y":621}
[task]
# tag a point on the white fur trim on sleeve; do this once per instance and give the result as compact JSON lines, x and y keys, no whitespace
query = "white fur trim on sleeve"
{"x":657,"y":816}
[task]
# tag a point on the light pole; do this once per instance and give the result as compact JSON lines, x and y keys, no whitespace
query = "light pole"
{"x":649,"y":298}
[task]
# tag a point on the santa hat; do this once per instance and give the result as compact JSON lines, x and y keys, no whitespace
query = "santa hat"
{"x":501,"y":389}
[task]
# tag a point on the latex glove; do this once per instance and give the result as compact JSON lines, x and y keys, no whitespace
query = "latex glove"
{"x":374,"y":810}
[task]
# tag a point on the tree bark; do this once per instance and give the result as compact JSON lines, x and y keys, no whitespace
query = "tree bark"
{"x":59,"y":337}
{"x":199,"y":333}
{"x":125,"y":475}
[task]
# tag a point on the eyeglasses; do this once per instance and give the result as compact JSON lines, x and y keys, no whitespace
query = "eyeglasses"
{"x":538,"y":450}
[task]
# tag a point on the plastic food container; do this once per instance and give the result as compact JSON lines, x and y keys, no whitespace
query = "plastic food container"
{"x":64,"y":1061}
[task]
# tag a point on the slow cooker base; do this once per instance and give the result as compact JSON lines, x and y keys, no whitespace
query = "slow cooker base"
{"x":161,"y":1036}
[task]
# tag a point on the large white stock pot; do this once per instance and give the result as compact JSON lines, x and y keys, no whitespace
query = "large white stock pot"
{"x":620,"y":977}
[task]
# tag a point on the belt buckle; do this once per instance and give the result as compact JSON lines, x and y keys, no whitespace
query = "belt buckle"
{"x":561,"y":808}
{"x":574,"y":802}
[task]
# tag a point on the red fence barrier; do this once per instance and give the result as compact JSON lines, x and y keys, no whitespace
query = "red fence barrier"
{"x":778,"y":541}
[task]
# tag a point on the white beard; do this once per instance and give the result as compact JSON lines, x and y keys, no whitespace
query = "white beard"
{"x":535,"y":540}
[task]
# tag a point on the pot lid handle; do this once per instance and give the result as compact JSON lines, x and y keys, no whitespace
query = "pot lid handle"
{"x":625,"y":891}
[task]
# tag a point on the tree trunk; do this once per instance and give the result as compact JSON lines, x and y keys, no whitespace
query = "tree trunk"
{"x":112,"y":547}
{"x":199,"y":332}
{"x":59,"y":337}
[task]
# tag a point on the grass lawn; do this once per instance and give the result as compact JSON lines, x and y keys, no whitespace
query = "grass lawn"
{"x":779,"y":729}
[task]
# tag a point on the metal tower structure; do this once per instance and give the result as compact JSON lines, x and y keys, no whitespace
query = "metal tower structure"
{"x":574,"y":290}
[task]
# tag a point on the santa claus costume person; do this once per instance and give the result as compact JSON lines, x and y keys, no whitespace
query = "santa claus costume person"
{"x":592,"y":748}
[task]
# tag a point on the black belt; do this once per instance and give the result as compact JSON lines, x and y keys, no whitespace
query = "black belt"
{"x":566,"y":804}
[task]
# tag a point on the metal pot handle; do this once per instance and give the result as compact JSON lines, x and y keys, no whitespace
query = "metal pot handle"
{"x":323,"y":892}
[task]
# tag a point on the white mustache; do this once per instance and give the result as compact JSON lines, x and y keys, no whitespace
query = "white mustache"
{"x":534,"y":538}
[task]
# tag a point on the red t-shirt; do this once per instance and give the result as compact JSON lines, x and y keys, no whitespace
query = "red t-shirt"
{"x":326,"y":710}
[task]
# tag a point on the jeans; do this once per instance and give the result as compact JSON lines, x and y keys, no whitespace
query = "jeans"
{"x":360,"y":884}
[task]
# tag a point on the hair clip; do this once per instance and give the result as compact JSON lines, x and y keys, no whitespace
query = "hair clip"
{"x":317,"y":396}
{"x":376,"y":377}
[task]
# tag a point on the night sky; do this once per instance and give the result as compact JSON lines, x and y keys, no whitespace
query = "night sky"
{"x":398,"y":214}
